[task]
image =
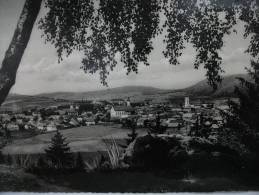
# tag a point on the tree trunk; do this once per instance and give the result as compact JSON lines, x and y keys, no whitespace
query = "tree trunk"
{"x":17,"y":46}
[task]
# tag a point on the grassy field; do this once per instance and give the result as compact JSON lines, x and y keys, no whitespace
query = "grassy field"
{"x":83,"y":139}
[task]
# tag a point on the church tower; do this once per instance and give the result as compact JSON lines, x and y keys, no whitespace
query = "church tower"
{"x":186,"y":102}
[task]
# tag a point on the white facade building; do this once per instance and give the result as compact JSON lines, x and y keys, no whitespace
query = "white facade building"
{"x":118,"y":112}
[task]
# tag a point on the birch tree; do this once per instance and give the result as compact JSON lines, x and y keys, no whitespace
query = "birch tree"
{"x":17,"y":46}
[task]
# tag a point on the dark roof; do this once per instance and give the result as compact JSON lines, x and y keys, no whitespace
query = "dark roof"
{"x":124,"y":108}
{"x":119,"y":99}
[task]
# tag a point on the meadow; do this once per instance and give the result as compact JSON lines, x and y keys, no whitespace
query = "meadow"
{"x":81,"y":139}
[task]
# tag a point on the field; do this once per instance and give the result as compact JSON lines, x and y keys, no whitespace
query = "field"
{"x":89,"y":141}
{"x":83,"y":139}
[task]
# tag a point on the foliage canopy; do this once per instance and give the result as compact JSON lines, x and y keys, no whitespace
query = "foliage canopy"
{"x":247,"y":110}
{"x":105,"y":28}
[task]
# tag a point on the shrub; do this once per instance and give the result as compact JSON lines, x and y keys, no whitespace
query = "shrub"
{"x":94,"y":165}
{"x":24,"y":161}
{"x":114,"y":160}
{"x":181,"y":154}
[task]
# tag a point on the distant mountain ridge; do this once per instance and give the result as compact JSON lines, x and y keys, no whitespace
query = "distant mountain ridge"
{"x":138,"y":93}
{"x":113,"y":93}
{"x":226,"y":88}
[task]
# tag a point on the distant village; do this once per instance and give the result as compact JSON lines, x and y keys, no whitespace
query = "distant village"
{"x":183,"y":117}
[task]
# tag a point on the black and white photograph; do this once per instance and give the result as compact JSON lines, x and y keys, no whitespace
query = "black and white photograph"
{"x":129,"y":96}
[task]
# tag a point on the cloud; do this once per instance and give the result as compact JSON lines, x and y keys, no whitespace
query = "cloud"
{"x":159,"y":74}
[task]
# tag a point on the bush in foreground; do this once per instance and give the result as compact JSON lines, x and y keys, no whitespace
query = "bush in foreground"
{"x":182,"y":154}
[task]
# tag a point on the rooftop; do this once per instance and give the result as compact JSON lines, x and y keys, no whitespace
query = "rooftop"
{"x":124,"y":108}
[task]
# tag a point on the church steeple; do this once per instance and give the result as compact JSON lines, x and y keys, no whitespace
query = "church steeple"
{"x":128,"y":102}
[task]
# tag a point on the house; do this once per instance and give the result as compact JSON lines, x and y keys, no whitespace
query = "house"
{"x":188,"y":116}
{"x":74,"y":122}
{"x":41,"y":126}
{"x":118,"y":101}
{"x":5,"y":117}
{"x":26,"y":127}
{"x":62,"y":112}
{"x":36,"y":114}
{"x":89,"y":121}
{"x":223,"y":108}
{"x":55,"y":117}
{"x":79,"y":119}
{"x":218,"y":120}
{"x":207,"y":123}
{"x":12,"y":127}
{"x":172,"y":123}
{"x":51,"y":127}
{"x":118,"y":112}
{"x":175,"y":109}
{"x":19,"y":121}
{"x":214,"y":126}
{"x":72,"y":112}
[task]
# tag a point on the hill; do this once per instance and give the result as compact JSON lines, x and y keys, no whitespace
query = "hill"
{"x":225,"y":89}
{"x":108,"y":94}
{"x":16,"y":102}
{"x":136,"y":93}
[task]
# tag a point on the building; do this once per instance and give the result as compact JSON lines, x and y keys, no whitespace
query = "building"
{"x":74,"y":122}
{"x":89,"y":121}
{"x":186,"y":102}
{"x":118,"y":101}
{"x":12,"y":127}
{"x":51,"y":127}
{"x":128,"y":102}
{"x":172,"y":123}
{"x":41,"y":126}
{"x":72,"y":112}
{"x":118,"y":112}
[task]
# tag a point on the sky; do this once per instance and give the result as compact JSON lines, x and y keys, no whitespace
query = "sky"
{"x":40,"y":72}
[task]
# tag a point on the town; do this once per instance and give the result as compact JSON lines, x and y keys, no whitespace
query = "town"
{"x":185,"y":118}
{"x":132,"y":96}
